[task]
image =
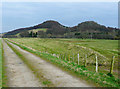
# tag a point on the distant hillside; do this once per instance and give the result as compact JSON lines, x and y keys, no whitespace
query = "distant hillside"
{"x":53,"y":29}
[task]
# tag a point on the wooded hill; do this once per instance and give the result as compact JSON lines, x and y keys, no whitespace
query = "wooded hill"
{"x":53,"y":29}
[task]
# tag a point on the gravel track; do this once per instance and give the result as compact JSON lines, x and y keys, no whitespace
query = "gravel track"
{"x":18,"y":74}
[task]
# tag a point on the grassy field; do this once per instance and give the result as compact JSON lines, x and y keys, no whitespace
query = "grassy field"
{"x":0,"y":64}
{"x":71,"y":47}
{"x":66,"y":50}
{"x":36,"y":30}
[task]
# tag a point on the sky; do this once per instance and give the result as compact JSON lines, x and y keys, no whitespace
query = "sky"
{"x":60,"y":0}
{"x":24,"y":14}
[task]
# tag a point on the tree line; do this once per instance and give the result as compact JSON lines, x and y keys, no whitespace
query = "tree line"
{"x":81,"y":35}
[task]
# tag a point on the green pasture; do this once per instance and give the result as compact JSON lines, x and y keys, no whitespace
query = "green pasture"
{"x":68,"y":49}
{"x":40,"y":29}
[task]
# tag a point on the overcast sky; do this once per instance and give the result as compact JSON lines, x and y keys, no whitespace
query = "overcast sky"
{"x":24,"y":14}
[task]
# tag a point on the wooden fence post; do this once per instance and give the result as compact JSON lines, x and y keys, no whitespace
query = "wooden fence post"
{"x":112,"y":64}
{"x":58,"y":56}
{"x":96,"y":63}
{"x":61,"y":56}
{"x":65,"y":56}
{"x":85,"y":60}
{"x":73,"y":57}
{"x":78,"y":58}
{"x":69,"y":58}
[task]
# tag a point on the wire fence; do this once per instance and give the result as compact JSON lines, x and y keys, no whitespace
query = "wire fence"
{"x":91,"y":58}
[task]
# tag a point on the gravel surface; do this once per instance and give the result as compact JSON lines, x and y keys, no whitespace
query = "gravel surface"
{"x":18,"y":74}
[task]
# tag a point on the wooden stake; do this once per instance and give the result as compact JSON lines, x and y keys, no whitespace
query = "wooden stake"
{"x":85,"y":60}
{"x":96,"y":63}
{"x":78,"y":58}
{"x":69,"y":58}
{"x":112,"y":64}
{"x":65,"y":56}
{"x":73,"y":57}
{"x":61,"y":56}
{"x":58,"y":56}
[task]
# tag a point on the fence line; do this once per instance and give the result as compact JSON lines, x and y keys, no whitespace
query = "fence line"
{"x":69,"y":57}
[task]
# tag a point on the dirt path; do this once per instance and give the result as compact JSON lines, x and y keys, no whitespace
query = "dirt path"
{"x":57,"y":76}
{"x":18,"y":74}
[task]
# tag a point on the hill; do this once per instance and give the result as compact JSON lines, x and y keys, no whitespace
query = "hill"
{"x":53,"y":29}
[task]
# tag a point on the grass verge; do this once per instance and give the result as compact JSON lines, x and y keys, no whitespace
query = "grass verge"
{"x":4,"y":76}
{"x":0,"y":64}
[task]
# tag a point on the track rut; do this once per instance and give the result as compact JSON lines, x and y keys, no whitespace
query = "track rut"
{"x":17,"y":72}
